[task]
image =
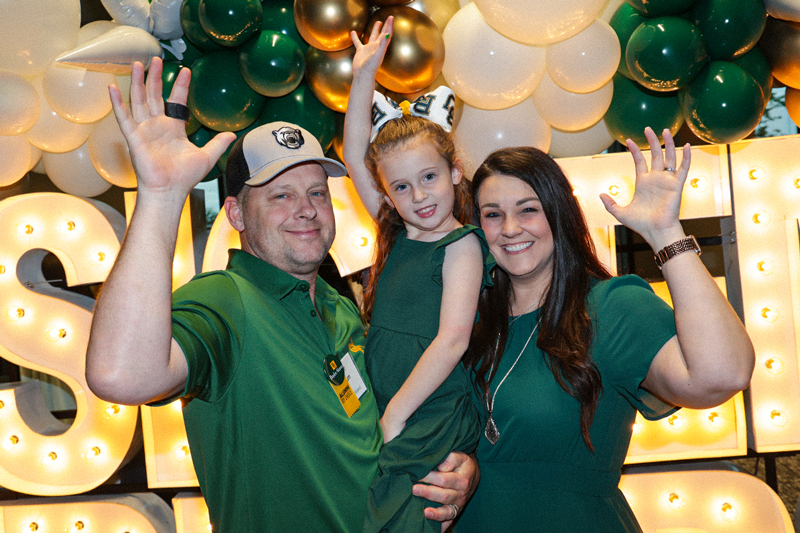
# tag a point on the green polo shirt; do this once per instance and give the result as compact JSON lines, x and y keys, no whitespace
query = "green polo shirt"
{"x":273,"y":448}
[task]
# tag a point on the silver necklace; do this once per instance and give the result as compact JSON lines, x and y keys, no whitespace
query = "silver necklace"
{"x":491,"y":431}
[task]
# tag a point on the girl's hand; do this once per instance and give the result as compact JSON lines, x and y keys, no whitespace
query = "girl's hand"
{"x":162,"y":155}
{"x":653,"y":211}
{"x":391,"y":428}
{"x":369,"y":55}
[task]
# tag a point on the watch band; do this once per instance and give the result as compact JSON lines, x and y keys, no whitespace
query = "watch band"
{"x":677,"y":247}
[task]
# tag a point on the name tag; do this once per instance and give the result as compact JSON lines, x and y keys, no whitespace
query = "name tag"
{"x":354,"y":376}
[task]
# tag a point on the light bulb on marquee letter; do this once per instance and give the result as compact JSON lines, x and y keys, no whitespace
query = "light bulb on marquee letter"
{"x":47,"y":330}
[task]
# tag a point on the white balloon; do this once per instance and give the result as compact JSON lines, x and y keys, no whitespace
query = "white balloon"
{"x":19,"y":104}
{"x":590,"y":141}
{"x":34,"y":32}
{"x":52,"y":132}
{"x":114,"y":51}
{"x":110,"y":155}
{"x":129,"y":12}
{"x":571,"y":111}
{"x":485,"y":69}
{"x":539,"y":22}
{"x":73,"y":173}
{"x":15,"y":153}
{"x":480,"y":132}
{"x":587,"y":61}
{"x":77,"y":94}
{"x":784,"y":9}
{"x":165,"y":17}
{"x":36,"y":157}
{"x":95,"y":29}
{"x":610,"y":9}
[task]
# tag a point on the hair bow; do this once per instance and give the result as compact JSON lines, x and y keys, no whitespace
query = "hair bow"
{"x":437,"y":106}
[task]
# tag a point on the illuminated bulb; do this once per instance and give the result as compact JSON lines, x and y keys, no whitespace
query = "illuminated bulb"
{"x":52,"y":456}
{"x":729,"y":512}
{"x":176,"y":405}
{"x":25,"y":229}
{"x":92,"y":454}
{"x":715,"y":420}
{"x":762,"y":218}
{"x":182,"y":452}
{"x":778,"y":417}
{"x":56,"y":334}
{"x":797,"y":183}
{"x":77,"y":526}
{"x":10,"y":442}
{"x":2,"y":404}
{"x":101,"y":256}
{"x":766,"y":266}
{"x":637,"y":427}
{"x":774,"y":365}
{"x":33,"y":526}
{"x":614,"y":190}
{"x":770,"y":314}
{"x":577,"y":192}
{"x":360,"y":241}
{"x":112,"y":410}
{"x":756,"y":173}
{"x":66,"y":226}
{"x":2,"y":269}
{"x":15,"y":313}
{"x":676,"y":421}
{"x":675,"y":501}
{"x":699,"y":184}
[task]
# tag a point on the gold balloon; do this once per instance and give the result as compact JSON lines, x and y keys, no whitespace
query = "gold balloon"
{"x":387,"y":3}
{"x":780,"y":43}
{"x":793,"y":104}
{"x":439,"y":11}
{"x":329,"y":75}
{"x":416,"y":54}
{"x":326,"y":24}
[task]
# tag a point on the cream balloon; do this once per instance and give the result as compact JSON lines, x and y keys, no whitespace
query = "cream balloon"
{"x":19,"y":104}
{"x":610,"y":9}
{"x":480,"y":132}
{"x":440,"y":11}
{"x":110,"y":155}
{"x":73,"y":173}
{"x":166,"y":19}
{"x":784,"y":9}
{"x":485,"y":69}
{"x":114,"y":51}
{"x":539,"y":22}
{"x":591,"y":141}
{"x":587,"y":61}
{"x":36,"y":157}
{"x":15,"y":153}
{"x":52,"y":132}
{"x":77,"y":94}
{"x":129,"y":12}
{"x":34,"y":32}
{"x":95,"y":29}
{"x":569,"y":111}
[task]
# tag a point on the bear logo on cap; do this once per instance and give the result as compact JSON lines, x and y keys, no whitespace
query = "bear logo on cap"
{"x":289,"y":137}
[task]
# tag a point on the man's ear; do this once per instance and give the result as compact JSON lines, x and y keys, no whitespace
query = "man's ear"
{"x":233,"y":210}
{"x":457,"y":172}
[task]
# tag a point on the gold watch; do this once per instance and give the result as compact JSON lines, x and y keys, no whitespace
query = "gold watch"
{"x":677,"y":247}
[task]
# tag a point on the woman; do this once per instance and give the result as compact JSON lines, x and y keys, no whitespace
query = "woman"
{"x":565,"y":354}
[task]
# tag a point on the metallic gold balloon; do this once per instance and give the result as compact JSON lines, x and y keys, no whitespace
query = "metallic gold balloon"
{"x":387,"y":3}
{"x":793,"y":104}
{"x":329,"y":75}
{"x":416,"y":54}
{"x":326,"y":24}
{"x":780,"y":43}
{"x":439,"y":11}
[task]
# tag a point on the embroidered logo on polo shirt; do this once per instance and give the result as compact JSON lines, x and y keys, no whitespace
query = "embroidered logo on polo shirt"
{"x":291,"y":138}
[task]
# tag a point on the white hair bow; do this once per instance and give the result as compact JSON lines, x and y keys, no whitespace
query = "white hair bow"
{"x":437,"y":106}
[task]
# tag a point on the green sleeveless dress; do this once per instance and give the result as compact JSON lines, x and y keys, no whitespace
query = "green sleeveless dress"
{"x":405,"y":320}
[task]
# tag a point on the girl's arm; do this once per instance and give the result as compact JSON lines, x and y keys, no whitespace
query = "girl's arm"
{"x":358,"y":118}
{"x":462,"y":272}
{"x":711,"y":358}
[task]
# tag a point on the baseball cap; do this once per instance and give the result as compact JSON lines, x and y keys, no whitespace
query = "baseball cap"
{"x":266,"y":151}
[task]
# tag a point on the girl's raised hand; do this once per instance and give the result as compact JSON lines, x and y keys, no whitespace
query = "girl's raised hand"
{"x":654,"y":209}
{"x":369,"y":55}
{"x":162,"y":155}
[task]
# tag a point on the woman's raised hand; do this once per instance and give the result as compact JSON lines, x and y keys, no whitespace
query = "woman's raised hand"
{"x":654,"y":209}
{"x":369,"y":55}
{"x":162,"y":155}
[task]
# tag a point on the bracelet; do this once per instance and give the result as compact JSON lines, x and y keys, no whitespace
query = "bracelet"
{"x":677,"y":247}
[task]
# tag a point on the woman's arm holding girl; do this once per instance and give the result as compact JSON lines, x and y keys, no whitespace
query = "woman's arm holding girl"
{"x":358,"y":118}
{"x":462,"y":272}
{"x":711,"y":358}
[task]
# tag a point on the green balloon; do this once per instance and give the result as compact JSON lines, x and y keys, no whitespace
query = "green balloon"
{"x":755,"y":63}
{"x":222,"y":162}
{"x":665,"y":53}
{"x":169,"y":74}
{"x":219,"y":97}
{"x":624,"y":22}
{"x":724,"y":103}
{"x":200,"y":138}
{"x":230,"y":22}
{"x":192,"y":29}
{"x":193,"y":125}
{"x":730,"y":27}
{"x":660,"y":8}
{"x":279,"y":16}
{"x":301,"y":107}
{"x":633,"y":108}
{"x":272,"y":63}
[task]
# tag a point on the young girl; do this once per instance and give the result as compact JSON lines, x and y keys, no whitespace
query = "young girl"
{"x":422,"y":295}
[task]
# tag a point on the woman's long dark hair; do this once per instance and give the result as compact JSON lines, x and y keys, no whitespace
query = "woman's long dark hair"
{"x":407,"y":131}
{"x":565,"y":331}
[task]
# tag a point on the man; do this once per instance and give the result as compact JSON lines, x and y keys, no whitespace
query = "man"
{"x":281,"y":422}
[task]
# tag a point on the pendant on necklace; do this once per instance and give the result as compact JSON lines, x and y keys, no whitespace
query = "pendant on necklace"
{"x":491,"y":431}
